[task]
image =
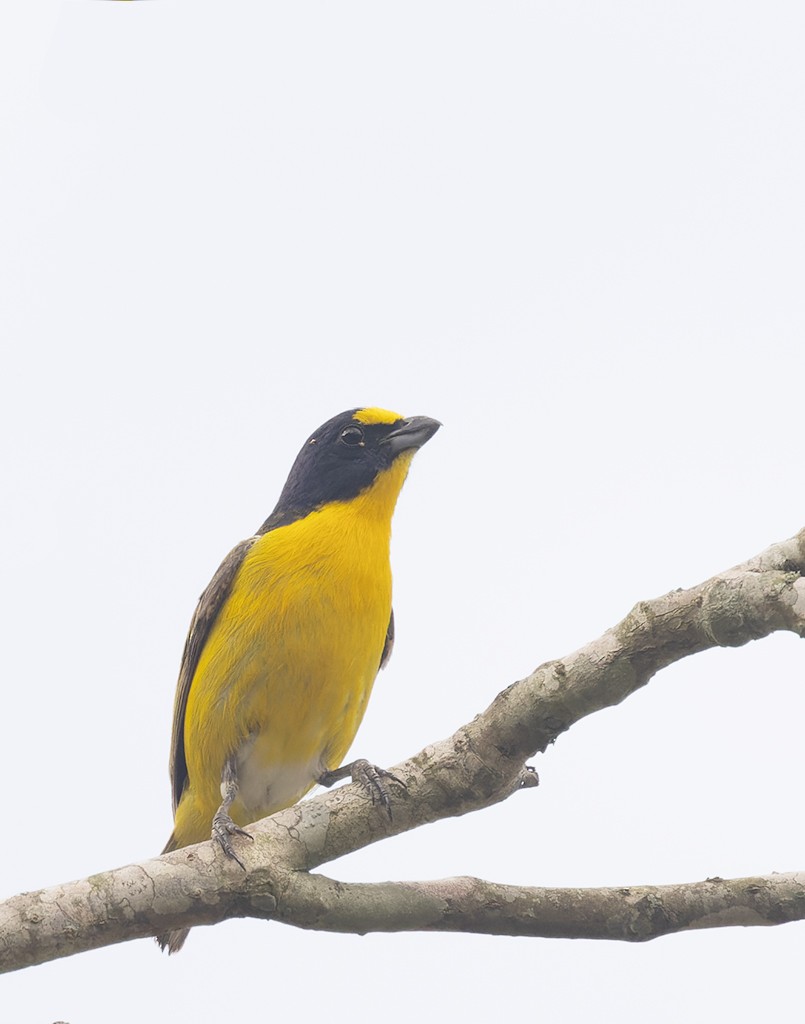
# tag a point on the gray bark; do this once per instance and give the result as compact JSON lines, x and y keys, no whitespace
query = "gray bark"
{"x":481,"y":764}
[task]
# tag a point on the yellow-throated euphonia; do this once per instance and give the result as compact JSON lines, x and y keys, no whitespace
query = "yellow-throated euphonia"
{"x":288,"y":637}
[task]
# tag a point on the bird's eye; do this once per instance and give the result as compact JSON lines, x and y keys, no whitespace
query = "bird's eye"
{"x":352,"y":436}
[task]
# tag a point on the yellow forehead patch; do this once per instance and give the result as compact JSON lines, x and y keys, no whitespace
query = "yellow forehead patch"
{"x":376,"y":416}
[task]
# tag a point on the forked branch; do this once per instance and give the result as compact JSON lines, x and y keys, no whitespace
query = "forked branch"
{"x":481,"y":764}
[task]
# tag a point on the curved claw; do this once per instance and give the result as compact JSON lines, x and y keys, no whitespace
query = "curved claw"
{"x":222,"y":828}
{"x":369,"y":776}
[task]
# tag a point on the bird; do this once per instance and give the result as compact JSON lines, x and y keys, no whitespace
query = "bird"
{"x":288,"y":637}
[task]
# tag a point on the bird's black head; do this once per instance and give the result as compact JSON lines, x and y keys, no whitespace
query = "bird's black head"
{"x":344,"y":457}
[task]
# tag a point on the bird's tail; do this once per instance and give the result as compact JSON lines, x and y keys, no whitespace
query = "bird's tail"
{"x":172,"y":941}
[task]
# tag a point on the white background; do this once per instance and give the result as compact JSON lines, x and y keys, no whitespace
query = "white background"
{"x":571,"y":231}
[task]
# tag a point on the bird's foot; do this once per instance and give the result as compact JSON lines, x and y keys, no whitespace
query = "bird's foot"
{"x":369,"y":776}
{"x":223,"y":828}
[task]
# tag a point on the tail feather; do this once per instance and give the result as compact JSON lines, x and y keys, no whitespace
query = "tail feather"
{"x":174,"y":940}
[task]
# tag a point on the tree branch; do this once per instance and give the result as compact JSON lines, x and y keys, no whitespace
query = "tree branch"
{"x":481,"y":764}
{"x":632,"y":914}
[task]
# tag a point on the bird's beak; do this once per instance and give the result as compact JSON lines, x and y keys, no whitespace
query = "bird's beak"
{"x":412,"y":433}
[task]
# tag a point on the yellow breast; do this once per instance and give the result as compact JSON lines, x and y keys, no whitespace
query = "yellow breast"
{"x":286,"y":672}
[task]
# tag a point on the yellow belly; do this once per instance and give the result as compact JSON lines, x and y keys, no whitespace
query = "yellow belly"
{"x":286,"y":672}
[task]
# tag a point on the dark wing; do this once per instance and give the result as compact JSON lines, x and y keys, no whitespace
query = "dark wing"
{"x":210,"y":603}
{"x":389,"y":644}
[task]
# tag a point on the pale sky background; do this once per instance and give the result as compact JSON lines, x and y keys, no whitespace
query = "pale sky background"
{"x":573,"y":232}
